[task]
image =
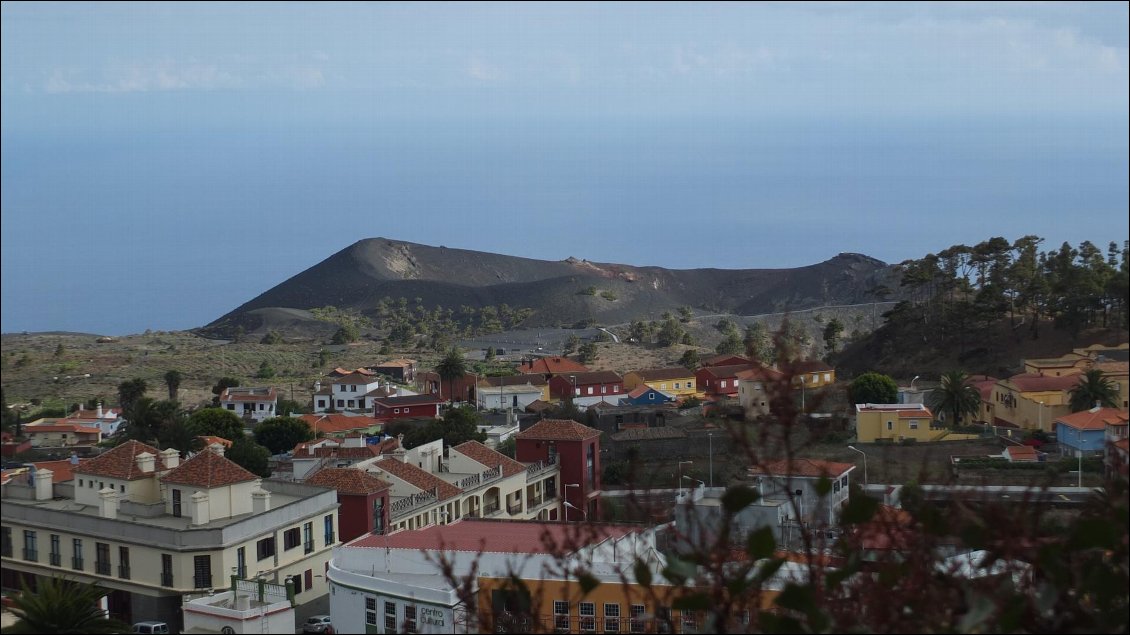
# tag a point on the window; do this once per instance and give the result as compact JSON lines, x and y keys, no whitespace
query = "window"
{"x":81,"y":482}
{"x":638,"y":625}
{"x":340,"y":403}
{"x":588,"y":616}
{"x":241,"y":562}
{"x":76,"y":555}
{"x":396,"y":410}
{"x":604,"y":390}
{"x":914,"y":424}
{"x":890,"y":425}
{"x":370,"y":611}
{"x":390,"y":617}
{"x":690,"y":621}
{"x":611,"y":618}
{"x":265,"y":548}
{"x":101,"y":558}
{"x":690,"y":385}
{"x":7,"y":542}
{"x":297,"y":580}
{"x":405,"y":410}
{"x":328,"y":530}
{"x":561,"y":616}
{"x":843,"y":481}
{"x":723,"y":383}
{"x":202,"y":572}
{"x":231,"y":406}
{"x":176,"y":503}
{"x":291,"y":538}
{"x":321,"y":403}
{"x":353,"y":388}
{"x":308,"y":537}
{"x":167,"y":569}
{"x":590,"y":390}
{"x":56,"y":557}
{"x":309,"y":578}
{"x":409,"y":618}
{"x":123,"y":563}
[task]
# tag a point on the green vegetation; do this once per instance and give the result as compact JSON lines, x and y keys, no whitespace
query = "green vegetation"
{"x":1094,"y":388}
{"x":457,"y":426}
{"x":250,"y":456}
{"x":216,"y":422}
{"x":280,"y":434}
{"x":609,"y":295}
{"x":955,"y":397}
{"x":450,"y":368}
{"x":62,"y":605}
{"x":873,"y":388}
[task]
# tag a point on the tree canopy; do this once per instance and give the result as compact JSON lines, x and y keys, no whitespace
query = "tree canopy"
{"x":216,"y":422}
{"x":450,"y":368}
{"x":1094,"y":388}
{"x":250,"y":456}
{"x":873,"y":388}
{"x":280,"y":434}
{"x":955,"y":397}
{"x":62,"y":605}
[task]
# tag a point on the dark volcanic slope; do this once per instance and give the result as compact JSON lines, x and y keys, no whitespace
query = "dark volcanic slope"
{"x":360,"y":275}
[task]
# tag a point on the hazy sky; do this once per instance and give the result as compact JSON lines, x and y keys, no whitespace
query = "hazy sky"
{"x":163,"y":163}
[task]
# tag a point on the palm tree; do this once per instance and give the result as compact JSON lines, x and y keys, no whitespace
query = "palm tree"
{"x":60,"y":605}
{"x":172,"y":380}
{"x":1093,"y":388}
{"x":956,"y":397}
{"x":450,"y":368}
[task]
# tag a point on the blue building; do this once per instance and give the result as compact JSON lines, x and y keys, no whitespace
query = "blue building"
{"x":645,"y":395}
{"x":1086,"y":431}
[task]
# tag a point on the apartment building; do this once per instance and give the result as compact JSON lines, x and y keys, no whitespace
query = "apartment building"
{"x":152,"y":528}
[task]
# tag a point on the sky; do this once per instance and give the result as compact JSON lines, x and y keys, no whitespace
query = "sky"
{"x":164,"y":163}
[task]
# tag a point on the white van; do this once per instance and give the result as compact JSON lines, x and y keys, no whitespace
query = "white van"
{"x":151,"y":628}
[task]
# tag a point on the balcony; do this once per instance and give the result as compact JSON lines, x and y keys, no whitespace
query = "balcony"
{"x":535,"y":469}
{"x":101,"y":568}
{"x":329,"y":539}
{"x":56,"y":560}
{"x":76,"y":564}
{"x":201,"y":581}
{"x":514,"y":509}
{"x":491,"y":509}
{"x":167,"y":578}
{"x":123,"y":572}
{"x":31,"y":555}
{"x":309,"y":546}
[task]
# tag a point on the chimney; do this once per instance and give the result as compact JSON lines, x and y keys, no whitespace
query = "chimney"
{"x":217,"y":447}
{"x":170,"y":458}
{"x":260,"y":501}
{"x":145,"y":462}
{"x":108,"y":503}
{"x":317,"y":385}
{"x":199,"y":507}
{"x":43,"y":478}
{"x":99,"y":409}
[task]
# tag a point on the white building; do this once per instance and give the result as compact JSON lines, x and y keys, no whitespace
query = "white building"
{"x":508,"y":396}
{"x":393,"y":583}
{"x":256,"y":404}
{"x":354,"y":392}
{"x":151,"y":528}
{"x":797,"y":481}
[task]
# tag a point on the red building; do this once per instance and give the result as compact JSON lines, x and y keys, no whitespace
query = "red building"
{"x":576,"y":449}
{"x":593,"y":384}
{"x":720,"y":381}
{"x":363,"y":498}
{"x":549,"y":366}
{"x":463,"y":387}
{"x":413,"y":406}
{"x":725,"y":360}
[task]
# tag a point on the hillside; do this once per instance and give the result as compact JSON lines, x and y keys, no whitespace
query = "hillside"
{"x":359,"y":276}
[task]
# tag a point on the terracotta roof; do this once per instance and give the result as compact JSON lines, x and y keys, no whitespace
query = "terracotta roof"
{"x":760,"y":373}
{"x":984,"y":385}
{"x":1028,"y":382}
{"x":490,"y":458}
{"x":538,"y":405}
{"x":359,"y":376}
{"x":516,"y":380}
{"x":120,"y":462}
{"x":348,"y":481}
{"x":1123,"y":444}
{"x":62,"y":427}
{"x":889,"y":528}
{"x":552,"y":365}
{"x":658,"y":374}
{"x":92,"y":415}
{"x":63,"y":470}
{"x":908,"y":411}
{"x":1021,"y":453}
{"x":1112,"y":368}
{"x":487,"y":536}
{"x":336,"y":451}
{"x":1094,"y":419}
{"x":642,"y":389}
{"x":558,"y":430}
{"x":342,"y":372}
{"x":803,"y":468}
{"x":334,"y":423}
{"x":397,"y":363}
{"x":207,"y":470}
{"x":249,"y":394}
{"x":418,"y":477}
{"x":209,"y":440}
{"x":409,"y":400}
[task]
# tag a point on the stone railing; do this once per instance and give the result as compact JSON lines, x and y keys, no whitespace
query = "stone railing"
{"x":534,"y":469}
{"x":402,"y":507}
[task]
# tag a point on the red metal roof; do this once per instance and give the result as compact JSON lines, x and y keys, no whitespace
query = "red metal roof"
{"x":486,"y":536}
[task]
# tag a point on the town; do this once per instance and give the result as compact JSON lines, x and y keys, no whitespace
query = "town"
{"x":553,"y":497}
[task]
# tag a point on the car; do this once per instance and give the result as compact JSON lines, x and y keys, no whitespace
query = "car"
{"x":317,"y":624}
{"x":151,"y":628}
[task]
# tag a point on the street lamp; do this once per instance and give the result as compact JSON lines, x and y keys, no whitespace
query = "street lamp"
{"x":852,"y":447}
{"x":710,"y":439}
{"x":568,"y":506}
{"x":679,"y":482}
{"x":912,"y":383}
{"x":700,"y":482}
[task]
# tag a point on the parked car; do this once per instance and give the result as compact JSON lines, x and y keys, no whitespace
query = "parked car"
{"x":317,"y":624}
{"x":151,"y":628}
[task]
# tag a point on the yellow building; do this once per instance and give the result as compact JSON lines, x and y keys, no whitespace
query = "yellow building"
{"x":894,"y":422}
{"x":812,"y":374}
{"x":677,"y":382}
{"x":1031,"y":402}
